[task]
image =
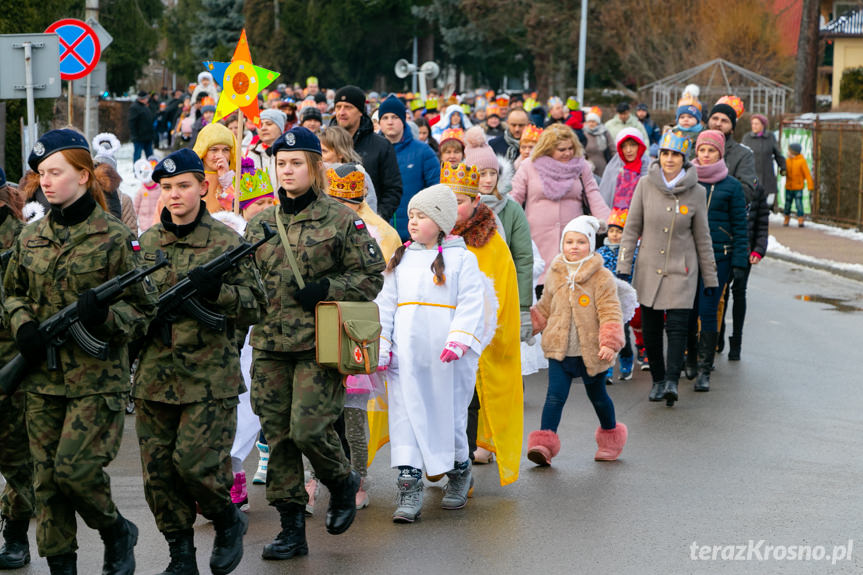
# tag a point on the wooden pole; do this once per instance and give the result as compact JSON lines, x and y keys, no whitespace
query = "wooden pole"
{"x":238,"y":154}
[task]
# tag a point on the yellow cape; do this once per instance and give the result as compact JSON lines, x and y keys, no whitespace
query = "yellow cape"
{"x":498,"y":381}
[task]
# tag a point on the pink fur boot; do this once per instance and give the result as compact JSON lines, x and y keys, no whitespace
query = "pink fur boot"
{"x":542,"y":445}
{"x":610,"y":442}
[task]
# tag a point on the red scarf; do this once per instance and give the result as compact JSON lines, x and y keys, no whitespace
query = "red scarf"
{"x":634,"y":165}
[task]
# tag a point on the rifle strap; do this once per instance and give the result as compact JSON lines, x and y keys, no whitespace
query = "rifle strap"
{"x":289,"y":252}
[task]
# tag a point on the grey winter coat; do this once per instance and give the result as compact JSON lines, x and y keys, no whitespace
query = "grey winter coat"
{"x":675,"y":241}
{"x":741,"y":166}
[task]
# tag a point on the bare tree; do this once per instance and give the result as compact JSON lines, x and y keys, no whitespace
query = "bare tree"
{"x":807,"y":59}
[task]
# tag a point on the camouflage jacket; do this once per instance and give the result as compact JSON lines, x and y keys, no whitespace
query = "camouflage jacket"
{"x":200,"y":364}
{"x":329,"y":241}
{"x":51,"y":265}
{"x":9,"y":230}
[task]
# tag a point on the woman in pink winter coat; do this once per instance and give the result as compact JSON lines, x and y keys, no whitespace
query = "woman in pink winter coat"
{"x":551,"y":184}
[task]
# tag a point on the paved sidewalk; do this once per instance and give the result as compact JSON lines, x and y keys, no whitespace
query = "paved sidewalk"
{"x":818,"y":246}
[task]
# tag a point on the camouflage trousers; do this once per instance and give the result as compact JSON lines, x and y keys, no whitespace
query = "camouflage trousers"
{"x":16,"y":465}
{"x":72,"y":440}
{"x":298,"y":402}
{"x":186,"y":458}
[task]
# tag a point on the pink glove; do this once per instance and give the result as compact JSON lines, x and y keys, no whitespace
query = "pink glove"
{"x":226,"y":180}
{"x":452,"y":351}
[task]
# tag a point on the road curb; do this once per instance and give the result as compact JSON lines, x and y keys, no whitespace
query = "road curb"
{"x":826,"y":265}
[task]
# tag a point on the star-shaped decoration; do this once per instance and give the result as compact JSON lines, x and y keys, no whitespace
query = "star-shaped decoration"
{"x":240,"y":81}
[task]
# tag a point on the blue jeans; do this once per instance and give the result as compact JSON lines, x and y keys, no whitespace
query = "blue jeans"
{"x":144,"y":147}
{"x":707,"y":308}
{"x":795,"y":196}
{"x":560,"y":375}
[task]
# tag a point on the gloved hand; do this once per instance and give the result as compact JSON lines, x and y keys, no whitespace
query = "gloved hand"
{"x":623,"y":277}
{"x":709,"y":291}
{"x":754,"y":258}
{"x":91,"y":312}
{"x":226,"y":180}
{"x":384,"y":359}
{"x":782,"y":172}
{"x":526,"y":326}
{"x":309,"y":296}
{"x":30,"y":343}
{"x":452,"y":351}
{"x":739,"y":274}
{"x":208,"y":284}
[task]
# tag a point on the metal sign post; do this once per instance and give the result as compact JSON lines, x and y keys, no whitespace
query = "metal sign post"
{"x":105,"y":40}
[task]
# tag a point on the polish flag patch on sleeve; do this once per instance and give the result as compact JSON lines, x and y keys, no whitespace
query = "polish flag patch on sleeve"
{"x":136,"y":247}
{"x":359,"y":224}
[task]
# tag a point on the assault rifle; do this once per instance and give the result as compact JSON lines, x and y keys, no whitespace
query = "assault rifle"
{"x":56,"y":329}
{"x":182,"y":297}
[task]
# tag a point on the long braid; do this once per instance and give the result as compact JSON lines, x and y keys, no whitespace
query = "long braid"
{"x":397,"y":256}
{"x":438,"y":264}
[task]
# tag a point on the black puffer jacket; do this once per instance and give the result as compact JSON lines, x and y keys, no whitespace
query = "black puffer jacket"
{"x":726,"y":214}
{"x":140,"y":122}
{"x":379,"y":160}
{"x":759,"y":217}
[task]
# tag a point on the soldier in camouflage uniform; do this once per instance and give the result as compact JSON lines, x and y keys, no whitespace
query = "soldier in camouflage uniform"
{"x":75,"y":414}
{"x":186,"y":390}
{"x":297,"y":400}
{"x":16,"y":501}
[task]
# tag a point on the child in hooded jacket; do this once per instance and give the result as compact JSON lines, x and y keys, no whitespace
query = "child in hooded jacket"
{"x":580,"y":315}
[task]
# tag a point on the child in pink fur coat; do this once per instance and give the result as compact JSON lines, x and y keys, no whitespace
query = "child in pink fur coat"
{"x":581,"y":320}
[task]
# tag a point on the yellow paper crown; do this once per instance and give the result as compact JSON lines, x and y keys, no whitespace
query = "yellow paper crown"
{"x":431,"y":104}
{"x":531,"y":134}
{"x":350,"y":187}
{"x":416,"y":104}
{"x":461,"y":179}
{"x":452,"y":134}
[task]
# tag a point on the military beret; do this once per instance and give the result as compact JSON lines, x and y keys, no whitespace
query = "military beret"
{"x":180,"y":162}
{"x":55,"y":141}
{"x":352,"y":95}
{"x":295,"y":140}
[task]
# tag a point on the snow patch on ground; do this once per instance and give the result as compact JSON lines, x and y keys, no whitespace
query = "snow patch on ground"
{"x":774,"y":247}
{"x":131,"y":185}
{"x":851,"y":234}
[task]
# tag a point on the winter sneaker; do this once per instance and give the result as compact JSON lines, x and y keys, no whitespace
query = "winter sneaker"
{"x":609,"y":376}
{"x":239,"y":494}
{"x":260,"y":477}
{"x":459,"y":487}
{"x":626,"y":368}
{"x":362,"y":495}
{"x":313,"y":488}
{"x":642,"y":359}
{"x":410,"y":497}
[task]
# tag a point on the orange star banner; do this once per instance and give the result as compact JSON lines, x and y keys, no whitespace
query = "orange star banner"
{"x":240,"y":81}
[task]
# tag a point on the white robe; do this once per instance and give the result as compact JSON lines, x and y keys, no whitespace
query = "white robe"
{"x":428,"y":399}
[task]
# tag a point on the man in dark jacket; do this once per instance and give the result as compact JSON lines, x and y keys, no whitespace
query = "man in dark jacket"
{"x":738,"y":158}
{"x":653,"y":131}
{"x":418,"y":164}
{"x":508,"y":144}
{"x":141,"y":127}
{"x":378,"y":155}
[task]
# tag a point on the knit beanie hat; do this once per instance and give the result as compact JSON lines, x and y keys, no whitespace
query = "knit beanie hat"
{"x":591,"y":117}
{"x":587,"y":225}
{"x":311,"y":113}
{"x":275,"y":116}
{"x":353,"y":95}
{"x":477,"y":152}
{"x":725,"y":110}
{"x":714,"y":138}
{"x":393,"y":105}
{"x":212,"y":135}
{"x":761,"y":118}
{"x":690,"y":109}
{"x":795,"y":147}
{"x":438,"y":202}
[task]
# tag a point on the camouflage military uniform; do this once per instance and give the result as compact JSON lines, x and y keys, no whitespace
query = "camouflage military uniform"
{"x":16,"y":465}
{"x":75,"y":414}
{"x":297,"y":400}
{"x":186,"y":392}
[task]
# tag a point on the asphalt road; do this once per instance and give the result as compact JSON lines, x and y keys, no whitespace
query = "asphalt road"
{"x":772,"y":453}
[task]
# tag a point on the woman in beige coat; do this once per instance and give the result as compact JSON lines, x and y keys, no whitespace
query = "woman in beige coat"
{"x":669,"y":213}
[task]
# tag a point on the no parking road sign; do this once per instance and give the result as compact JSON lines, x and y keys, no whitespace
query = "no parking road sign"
{"x":79,"y":47}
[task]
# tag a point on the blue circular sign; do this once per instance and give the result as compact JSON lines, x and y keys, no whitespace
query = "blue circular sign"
{"x":79,"y":47}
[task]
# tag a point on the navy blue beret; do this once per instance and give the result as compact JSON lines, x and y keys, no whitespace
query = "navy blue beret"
{"x":53,"y":142}
{"x":180,"y":162}
{"x":294,"y":140}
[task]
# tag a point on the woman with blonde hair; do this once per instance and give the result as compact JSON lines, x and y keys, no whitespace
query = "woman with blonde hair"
{"x":337,"y":147}
{"x":554,"y":185}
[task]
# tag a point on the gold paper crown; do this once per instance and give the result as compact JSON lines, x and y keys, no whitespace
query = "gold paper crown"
{"x":431,"y":104}
{"x":531,"y":134}
{"x":452,"y":134}
{"x":350,"y":187}
{"x":461,"y":179}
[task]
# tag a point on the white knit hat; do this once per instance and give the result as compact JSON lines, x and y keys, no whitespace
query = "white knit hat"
{"x":587,"y":225}
{"x":275,"y":116}
{"x":438,"y":202}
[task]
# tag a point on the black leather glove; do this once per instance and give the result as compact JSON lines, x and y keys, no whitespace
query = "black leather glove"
{"x":91,"y":312}
{"x":739,"y":274}
{"x":209,"y":285}
{"x":30,"y":343}
{"x":313,"y":293}
{"x":709,"y":291}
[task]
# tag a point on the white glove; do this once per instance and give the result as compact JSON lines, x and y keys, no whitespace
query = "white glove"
{"x":526,"y":326}
{"x":226,"y":180}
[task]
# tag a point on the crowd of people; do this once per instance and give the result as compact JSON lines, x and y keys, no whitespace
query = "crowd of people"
{"x":497,"y":237}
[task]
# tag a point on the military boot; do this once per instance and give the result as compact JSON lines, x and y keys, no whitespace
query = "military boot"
{"x":343,"y":503}
{"x":181,"y":546}
{"x":15,"y":552}
{"x":459,"y":487}
{"x":66,"y":564}
{"x":291,"y":540}
{"x":120,"y":540}
{"x":230,"y":526}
